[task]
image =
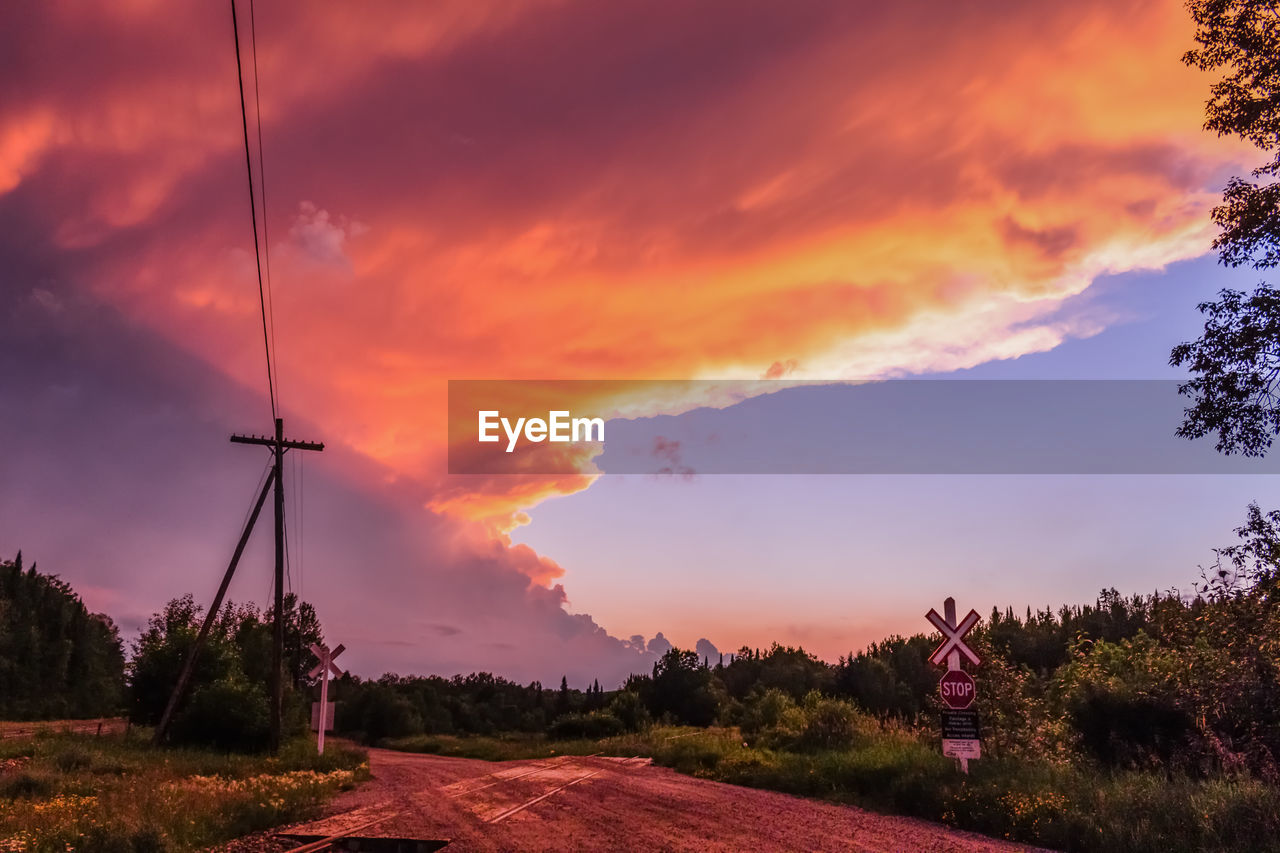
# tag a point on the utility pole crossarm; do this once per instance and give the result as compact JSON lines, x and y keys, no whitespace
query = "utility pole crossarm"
{"x":268,"y":441}
{"x":278,"y":444}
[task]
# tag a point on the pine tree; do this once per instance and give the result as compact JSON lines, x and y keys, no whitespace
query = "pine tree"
{"x":562,"y":697}
{"x":56,"y":658}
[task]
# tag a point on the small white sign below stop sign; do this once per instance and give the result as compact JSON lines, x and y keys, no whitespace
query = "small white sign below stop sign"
{"x":957,"y":689}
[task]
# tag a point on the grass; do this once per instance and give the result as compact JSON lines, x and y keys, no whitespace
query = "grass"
{"x":515,"y":746}
{"x":897,"y":771}
{"x":106,"y":794}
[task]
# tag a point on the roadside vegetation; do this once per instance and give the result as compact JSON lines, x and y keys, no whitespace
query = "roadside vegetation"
{"x":1142,"y":723}
{"x":899,"y":770}
{"x":105,"y":790}
{"x":119,"y":794}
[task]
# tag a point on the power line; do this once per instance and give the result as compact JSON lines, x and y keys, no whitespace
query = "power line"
{"x":262,"y":182}
{"x":266,"y":470}
{"x":278,"y":444}
{"x":253,"y":210}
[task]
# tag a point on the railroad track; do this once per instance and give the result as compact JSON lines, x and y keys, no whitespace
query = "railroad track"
{"x":104,"y":726}
{"x":329,"y":842}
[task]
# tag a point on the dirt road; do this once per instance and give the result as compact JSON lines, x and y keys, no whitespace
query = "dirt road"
{"x":598,"y":803}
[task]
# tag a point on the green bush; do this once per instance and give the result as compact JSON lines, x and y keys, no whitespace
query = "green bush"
{"x":765,"y":712}
{"x":73,"y":758}
{"x":597,"y":724}
{"x":826,"y":723}
{"x":228,"y":714}
{"x":819,"y":723}
{"x":628,"y":707}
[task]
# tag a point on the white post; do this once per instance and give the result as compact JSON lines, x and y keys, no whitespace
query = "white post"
{"x":322,"y":670}
{"x":953,"y":659}
{"x":324,"y":703}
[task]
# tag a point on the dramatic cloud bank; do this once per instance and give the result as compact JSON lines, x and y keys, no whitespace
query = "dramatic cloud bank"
{"x":566,"y":190}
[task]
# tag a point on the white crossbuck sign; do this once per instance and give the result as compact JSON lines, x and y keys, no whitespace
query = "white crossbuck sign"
{"x":322,"y":671}
{"x":326,"y":660}
{"x":953,"y":638}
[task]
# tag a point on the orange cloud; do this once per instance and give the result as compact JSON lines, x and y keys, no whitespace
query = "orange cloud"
{"x":588,"y":190}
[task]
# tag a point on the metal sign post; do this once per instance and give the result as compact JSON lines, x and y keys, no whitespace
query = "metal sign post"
{"x":322,"y":714}
{"x":960,"y":734}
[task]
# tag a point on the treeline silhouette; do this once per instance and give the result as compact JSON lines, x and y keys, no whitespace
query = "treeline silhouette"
{"x":892,"y":678}
{"x":1146,"y":681}
{"x":56,"y":658}
{"x":1169,"y":681}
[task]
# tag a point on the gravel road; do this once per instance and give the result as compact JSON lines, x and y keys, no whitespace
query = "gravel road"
{"x":598,"y":803}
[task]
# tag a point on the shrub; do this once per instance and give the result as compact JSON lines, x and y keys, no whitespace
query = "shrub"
{"x":630,"y":710}
{"x":72,"y":758}
{"x":765,"y":712}
{"x":593,"y":726}
{"x":228,"y":714}
{"x":1131,"y":731}
{"x":819,"y":723}
{"x":826,"y":723}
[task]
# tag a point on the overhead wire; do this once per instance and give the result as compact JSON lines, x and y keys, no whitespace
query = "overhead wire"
{"x":262,"y":259}
{"x":253,"y":213}
{"x":262,"y":184}
{"x":257,"y":490}
{"x":262,"y":478}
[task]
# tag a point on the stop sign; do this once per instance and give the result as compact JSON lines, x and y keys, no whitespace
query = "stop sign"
{"x":957,"y":689}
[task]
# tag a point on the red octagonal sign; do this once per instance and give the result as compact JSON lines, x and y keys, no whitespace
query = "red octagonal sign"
{"x":958,"y":689}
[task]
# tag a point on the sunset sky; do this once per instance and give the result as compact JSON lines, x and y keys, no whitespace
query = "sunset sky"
{"x":589,"y":190}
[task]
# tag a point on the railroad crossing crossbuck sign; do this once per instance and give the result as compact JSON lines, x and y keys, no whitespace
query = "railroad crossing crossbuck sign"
{"x":953,"y":638}
{"x":326,"y":661}
{"x":956,"y":686}
{"x":322,"y":711}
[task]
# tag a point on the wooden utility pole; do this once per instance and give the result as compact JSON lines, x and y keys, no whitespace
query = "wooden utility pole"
{"x":278,"y":446}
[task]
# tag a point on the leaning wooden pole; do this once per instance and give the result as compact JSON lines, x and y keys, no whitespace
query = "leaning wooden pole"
{"x":189,"y":665}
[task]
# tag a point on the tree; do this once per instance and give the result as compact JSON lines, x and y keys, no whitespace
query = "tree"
{"x":1236,"y":365}
{"x":56,"y":658}
{"x":683,"y":689}
{"x":1255,"y":562}
{"x":563,"y":703}
{"x":630,"y":710}
{"x":234,"y":662}
{"x":1236,"y":361}
{"x":161,"y":649}
{"x":301,"y":631}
